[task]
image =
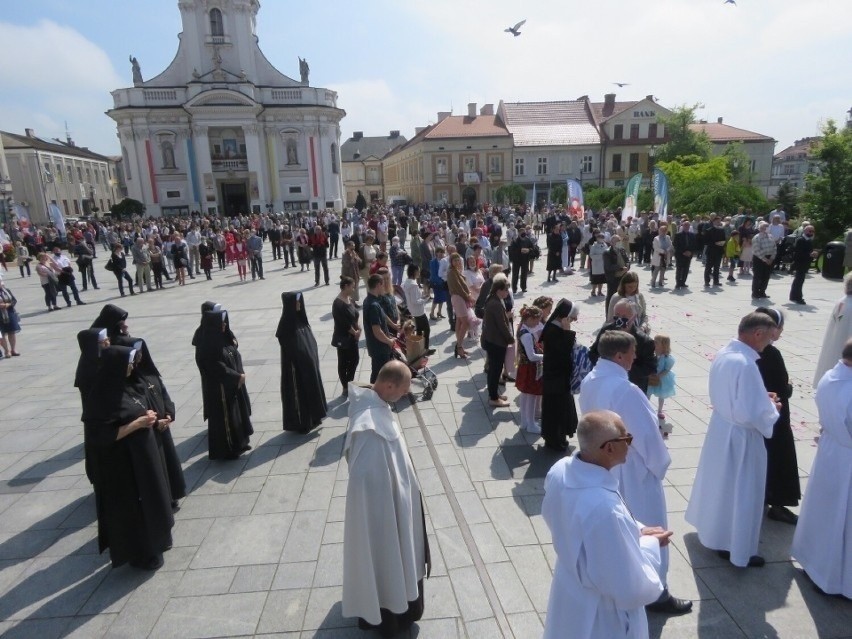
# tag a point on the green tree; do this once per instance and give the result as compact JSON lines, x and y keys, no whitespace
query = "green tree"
{"x":559,"y":194}
{"x":828,"y":198}
{"x":706,"y":196}
{"x":691,"y":168}
{"x":788,"y":199}
{"x":683,"y":141}
{"x":128,"y":207}
{"x":739,"y":162}
{"x":511,"y":194}
{"x":597,"y":197}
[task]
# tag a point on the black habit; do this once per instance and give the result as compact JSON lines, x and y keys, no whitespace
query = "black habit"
{"x":84,"y":380}
{"x":782,"y":467}
{"x":558,"y":411}
{"x":131,"y":489}
{"x":111,"y":318}
{"x":229,"y":408}
{"x":302,"y":392}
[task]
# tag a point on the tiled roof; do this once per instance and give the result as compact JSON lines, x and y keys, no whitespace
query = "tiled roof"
{"x":726,"y":133}
{"x":463,"y":126}
{"x":802,"y":146}
{"x":550,"y":123}
{"x":15,"y":141}
{"x":603,"y":111}
{"x":365,"y":147}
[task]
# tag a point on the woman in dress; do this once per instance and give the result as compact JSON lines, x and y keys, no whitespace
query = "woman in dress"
{"x":10,"y":324}
{"x":131,"y":488}
{"x":782,"y":466}
{"x":228,"y":406}
{"x":597,"y":274}
{"x":302,"y":393}
{"x":438,"y":286}
{"x":347,"y":332}
{"x":662,"y":251}
{"x":461,"y":300}
{"x":528,"y":378}
{"x":180,"y":259}
{"x":554,"y":252}
{"x":558,"y":411}
{"x":475,"y":279}
{"x":303,"y":248}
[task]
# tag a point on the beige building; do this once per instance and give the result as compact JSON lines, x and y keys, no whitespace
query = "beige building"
{"x":43,"y":172}
{"x":759,"y":148}
{"x":462,"y":159}
{"x":361,"y":159}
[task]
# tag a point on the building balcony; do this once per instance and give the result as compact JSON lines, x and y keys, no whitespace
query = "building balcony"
{"x":230,"y":165}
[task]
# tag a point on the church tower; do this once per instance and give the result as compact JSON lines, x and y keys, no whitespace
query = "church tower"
{"x":223,"y":131}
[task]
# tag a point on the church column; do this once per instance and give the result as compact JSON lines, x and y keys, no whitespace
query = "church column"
{"x":203,"y":167}
{"x":258,"y":191}
{"x":272,"y":162}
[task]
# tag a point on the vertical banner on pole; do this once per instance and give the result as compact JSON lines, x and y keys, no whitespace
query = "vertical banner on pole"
{"x":576,"y":204}
{"x":661,"y":195}
{"x":631,"y":197}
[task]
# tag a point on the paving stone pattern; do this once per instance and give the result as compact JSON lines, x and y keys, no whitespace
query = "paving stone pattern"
{"x":258,"y":542}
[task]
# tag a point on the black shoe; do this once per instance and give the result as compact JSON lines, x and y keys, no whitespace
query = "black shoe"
{"x":756,"y":561}
{"x":557,"y":447}
{"x":671,"y":606}
{"x":80,"y":303}
{"x":782,"y":514}
{"x":798,"y":301}
{"x":151,"y":563}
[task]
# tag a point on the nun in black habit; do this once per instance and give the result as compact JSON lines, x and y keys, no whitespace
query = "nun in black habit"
{"x":196,"y":342}
{"x":558,"y":411}
{"x":160,"y":402}
{"x":131,"y":488}
{"x":112,"y":318}
{"x":91,"y":342}
{"x":302,"y":392}
{"x":223,"y":382}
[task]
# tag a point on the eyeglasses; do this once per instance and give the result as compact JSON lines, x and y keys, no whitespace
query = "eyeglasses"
{"x":628,"y":439}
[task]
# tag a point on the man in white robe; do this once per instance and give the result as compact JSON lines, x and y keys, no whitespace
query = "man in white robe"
{"x":839,"y":329}
{"x":823,"y":540}
{"x":726,"y":505}
{"x":640,"y":478}
{"x":385,"y":550}
{"x":606,"y":561}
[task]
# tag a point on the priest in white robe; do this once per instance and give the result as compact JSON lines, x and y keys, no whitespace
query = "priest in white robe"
{"x":385,"y":549}
{"x":726,"y":505}
{"x":823,"y":540}
{"x":640,"y":478}
{"x":839,"y":330}
{"x":606,"y":561}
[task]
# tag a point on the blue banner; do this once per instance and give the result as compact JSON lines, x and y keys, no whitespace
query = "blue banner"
{"x":661,"y":195}
{"x":533,"y":198}
{"x":576,"y":204}
{"x":57,"y":218}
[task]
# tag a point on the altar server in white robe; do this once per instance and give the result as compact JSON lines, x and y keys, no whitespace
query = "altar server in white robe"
{"x":385,"y":549}
{"x":838,"y":330}
{"x":606,"y":561}
{"x":726,"y":505}
{"x":823,"y":540}
{"x":640,"y":478}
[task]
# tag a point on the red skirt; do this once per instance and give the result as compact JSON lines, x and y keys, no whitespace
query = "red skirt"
{"x":525,"y":380}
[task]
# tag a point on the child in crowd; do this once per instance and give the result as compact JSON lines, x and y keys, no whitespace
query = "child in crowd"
{"x":665,"y":379}
{"x":732,"y":252}
{"x":528,"y":378}
{"x":745,"y":256}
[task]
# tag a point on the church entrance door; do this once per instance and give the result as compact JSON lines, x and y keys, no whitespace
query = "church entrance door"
{"x":469,"y":198}
{"x":235,"y":198}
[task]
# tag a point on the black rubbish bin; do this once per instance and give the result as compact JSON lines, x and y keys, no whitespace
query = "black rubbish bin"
{"x":832,"y":262}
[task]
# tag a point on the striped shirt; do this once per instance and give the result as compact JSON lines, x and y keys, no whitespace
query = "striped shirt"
{"x":763,"y":246}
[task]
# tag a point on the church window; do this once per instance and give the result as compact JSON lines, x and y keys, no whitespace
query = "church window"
{"x":334,"y":168}
{"x":217,"y":26}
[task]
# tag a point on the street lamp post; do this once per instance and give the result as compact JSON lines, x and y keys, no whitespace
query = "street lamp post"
{"x":652,"y":152}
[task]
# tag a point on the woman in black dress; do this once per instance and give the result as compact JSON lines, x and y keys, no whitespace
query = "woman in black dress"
{"x":131,"y":488}
{"x":92,"y":342}
{"x":302,"y":393}
{"x":558,"y":412}
{"x":782,"y":467}
{"x":554,"y":252}
{"x":346,"y":334}
{"x":223,"y":380}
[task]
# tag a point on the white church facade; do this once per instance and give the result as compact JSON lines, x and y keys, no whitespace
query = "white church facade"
{"x":221,"y":130}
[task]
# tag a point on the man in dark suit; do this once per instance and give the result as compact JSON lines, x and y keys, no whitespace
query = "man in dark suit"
{"x":803,"y":255}
{"x":685,"y":247}
{"x":714,"y":242}
{"x":519,"y":256}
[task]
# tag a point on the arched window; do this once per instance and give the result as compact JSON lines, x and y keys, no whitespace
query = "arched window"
{"x":334,"y":167}
{"x":217,"y":25}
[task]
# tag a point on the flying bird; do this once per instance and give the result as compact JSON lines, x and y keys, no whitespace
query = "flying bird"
{"x":621,"y":85}
{"x":514,"y":30}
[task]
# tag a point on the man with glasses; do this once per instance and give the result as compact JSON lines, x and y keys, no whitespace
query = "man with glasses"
{"x":640,"y":478}
{"x":606,"y":561}
{"x":726,"y":505}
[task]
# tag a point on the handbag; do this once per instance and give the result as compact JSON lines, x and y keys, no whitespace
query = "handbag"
{"x":109,"y":265}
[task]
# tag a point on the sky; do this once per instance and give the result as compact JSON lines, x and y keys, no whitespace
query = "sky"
{"x":776,"y":67}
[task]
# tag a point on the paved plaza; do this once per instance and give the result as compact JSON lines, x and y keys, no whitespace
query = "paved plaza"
{"x":258,"y":541}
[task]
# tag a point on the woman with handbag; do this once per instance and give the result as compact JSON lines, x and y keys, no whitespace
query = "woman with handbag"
{"x":117,"y":263}
{"x":48,"y":280}
{"x":9,"y":322}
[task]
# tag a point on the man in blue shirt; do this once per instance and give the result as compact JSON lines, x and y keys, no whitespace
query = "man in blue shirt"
{"x":379,"y":342}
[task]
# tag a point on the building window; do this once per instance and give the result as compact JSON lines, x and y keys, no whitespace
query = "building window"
{"x":334,"y":167}
{"x":587,"y":164}
{"x":294,"y":189}
{"x":173,"y":195}
{"x":618,"y":132}
{"x":76,"y":207}
{"x":102,"y":204}
{"x":542,"y":166}
{"x":441,"y":166}
{"x":652,"y":130}
{"x":217,"y":25}
{"x":373,"y":174}
{"x":65,"y":206}
{"x":634,"y":163}
{"x":469,"y":163}
{"x":69,"y":174}
{"x":80,"y":174}
{"x":59,"y":177}
{"x":519,"y":166}
{"x":495,"y":164}
{"x":616,"y":163}
{"x":634,"y":131}
{"x":753,"y":166}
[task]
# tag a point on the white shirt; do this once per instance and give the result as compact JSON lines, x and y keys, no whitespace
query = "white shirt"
{"x":413,"y":297}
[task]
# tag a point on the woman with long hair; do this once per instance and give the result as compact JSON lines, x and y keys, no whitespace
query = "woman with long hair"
{"x":461,"y":300}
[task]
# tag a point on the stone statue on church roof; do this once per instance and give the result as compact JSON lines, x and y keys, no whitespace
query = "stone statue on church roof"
{"x":137,"y":71}
{"x":304,"y":70}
